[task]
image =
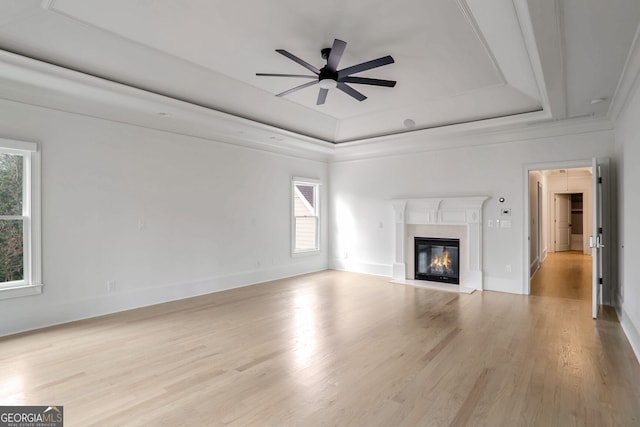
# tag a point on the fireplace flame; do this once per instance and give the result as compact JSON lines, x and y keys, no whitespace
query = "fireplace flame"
{"x":441,"y":263}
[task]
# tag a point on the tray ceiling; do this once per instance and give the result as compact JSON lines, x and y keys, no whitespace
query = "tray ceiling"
{"x":455,"y":61}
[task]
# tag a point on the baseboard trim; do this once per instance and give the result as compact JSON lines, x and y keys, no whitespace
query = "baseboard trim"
{"x":533,"y":267}
{"x":95,"y":306}
{"x":630,"y":330}
{"x":361,"y":267}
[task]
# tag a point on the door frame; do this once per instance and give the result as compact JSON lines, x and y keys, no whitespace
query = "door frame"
{"x":569,"y":164}
{"x":540,"y":230}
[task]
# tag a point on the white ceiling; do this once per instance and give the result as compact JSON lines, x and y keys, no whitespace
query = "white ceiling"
{"x":455,"y":61}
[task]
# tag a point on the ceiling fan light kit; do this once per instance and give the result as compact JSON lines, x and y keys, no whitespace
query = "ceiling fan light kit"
{"x":329,"y":76}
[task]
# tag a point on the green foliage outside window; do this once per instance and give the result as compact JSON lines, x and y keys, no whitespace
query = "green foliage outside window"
{"x":11,"y":229}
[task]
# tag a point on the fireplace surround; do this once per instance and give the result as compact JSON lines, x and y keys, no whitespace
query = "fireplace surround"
{"x":443,"y":217}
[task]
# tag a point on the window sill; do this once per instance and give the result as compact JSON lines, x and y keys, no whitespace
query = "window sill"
{"x":20,"y":291}
{"x":305,"y":253}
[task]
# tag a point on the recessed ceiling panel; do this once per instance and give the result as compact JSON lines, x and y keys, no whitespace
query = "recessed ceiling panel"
{"x":437,"y":49}
{"x":455,"y":60}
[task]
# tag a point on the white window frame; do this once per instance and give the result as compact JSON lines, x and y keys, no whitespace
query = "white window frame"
{"x":316,"y":194}
{"x":31,"y":284}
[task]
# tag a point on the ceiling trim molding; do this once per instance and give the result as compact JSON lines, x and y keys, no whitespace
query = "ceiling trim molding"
{"x":562,"y":46}
{"x":528,"y":35}
{"x":47,"y":4}
{"x":629,"y":80}
{"x":451,"y":139}
{"x":138,"y":107}
{"x":466,"y":11}
{"x":540,"y":23}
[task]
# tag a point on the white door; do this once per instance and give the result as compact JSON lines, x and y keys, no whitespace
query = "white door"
{"x":595,"y":240}
{"x":563,"y":222}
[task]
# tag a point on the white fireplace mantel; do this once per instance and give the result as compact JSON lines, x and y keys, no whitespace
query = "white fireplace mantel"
{"x":465,"y":211}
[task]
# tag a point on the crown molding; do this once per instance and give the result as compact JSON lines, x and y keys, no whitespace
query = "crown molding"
{"x":38,"y":83}
{"x":629,"y":80}
{"x":498,"y":131}
{"x":49,"y":86}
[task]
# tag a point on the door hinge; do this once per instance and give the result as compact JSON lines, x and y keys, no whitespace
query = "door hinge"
{"x":599,"y":180}
{"x":600,"y":280}
{"x":600,"y":230}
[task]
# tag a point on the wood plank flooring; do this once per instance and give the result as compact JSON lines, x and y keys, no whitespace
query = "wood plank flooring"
{"x":564,"y":275}
{"x":332,"y":349}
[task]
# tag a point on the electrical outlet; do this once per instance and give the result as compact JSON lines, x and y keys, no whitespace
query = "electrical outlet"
{"x":508,"y":268}
{"x":111,"y":285}
{"x":490,"y":223}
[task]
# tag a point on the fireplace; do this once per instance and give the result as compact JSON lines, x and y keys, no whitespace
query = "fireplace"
{"x":440,"y":217}
{"x":437,"y":259}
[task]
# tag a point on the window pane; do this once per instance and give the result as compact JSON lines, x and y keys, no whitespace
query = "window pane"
{"x":304,"y":200}
{"x":306,"y":233}
{"x":10,"y":184}
{"x":11,"y":250}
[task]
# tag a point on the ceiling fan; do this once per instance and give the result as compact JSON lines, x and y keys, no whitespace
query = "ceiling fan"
{"x":329,"y":76}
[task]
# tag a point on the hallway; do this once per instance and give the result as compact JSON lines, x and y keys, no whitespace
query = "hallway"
{"x":564,"y":275}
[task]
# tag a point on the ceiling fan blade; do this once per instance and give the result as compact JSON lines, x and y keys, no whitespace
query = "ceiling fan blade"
{"x":375,"y":63}
{"x":286,"y":75}
{"x":367,"y":81}
{"x":336,"y":54}
{"x":298,"y":60}
{"x":302,"y":86}
{"x":322,"y":96}
{"x":351,"y":91}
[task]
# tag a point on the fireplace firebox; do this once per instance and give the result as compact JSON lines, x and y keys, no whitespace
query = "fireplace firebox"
{"x":437,"y":260}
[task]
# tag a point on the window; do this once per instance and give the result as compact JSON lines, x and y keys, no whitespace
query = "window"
{"x":20,"y":273}
{"x":306,"y":221}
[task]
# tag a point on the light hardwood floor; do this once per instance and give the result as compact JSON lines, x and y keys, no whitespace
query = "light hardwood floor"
{"x":564,"y":275}
{"x":333,"y":349}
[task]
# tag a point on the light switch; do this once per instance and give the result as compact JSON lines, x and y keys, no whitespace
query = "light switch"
{"x":490,"y":223}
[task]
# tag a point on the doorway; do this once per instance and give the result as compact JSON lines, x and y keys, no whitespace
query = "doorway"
{"x":559,"y":212}
{"x":568,"y":222}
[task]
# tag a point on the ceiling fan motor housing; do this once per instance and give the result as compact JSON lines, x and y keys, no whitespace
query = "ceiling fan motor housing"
{"x":326,"y":73}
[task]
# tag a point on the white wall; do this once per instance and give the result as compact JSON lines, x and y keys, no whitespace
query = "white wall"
{"x":628,"y":196}
{"x":361,"y":213}
{"x":213,"y":216}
